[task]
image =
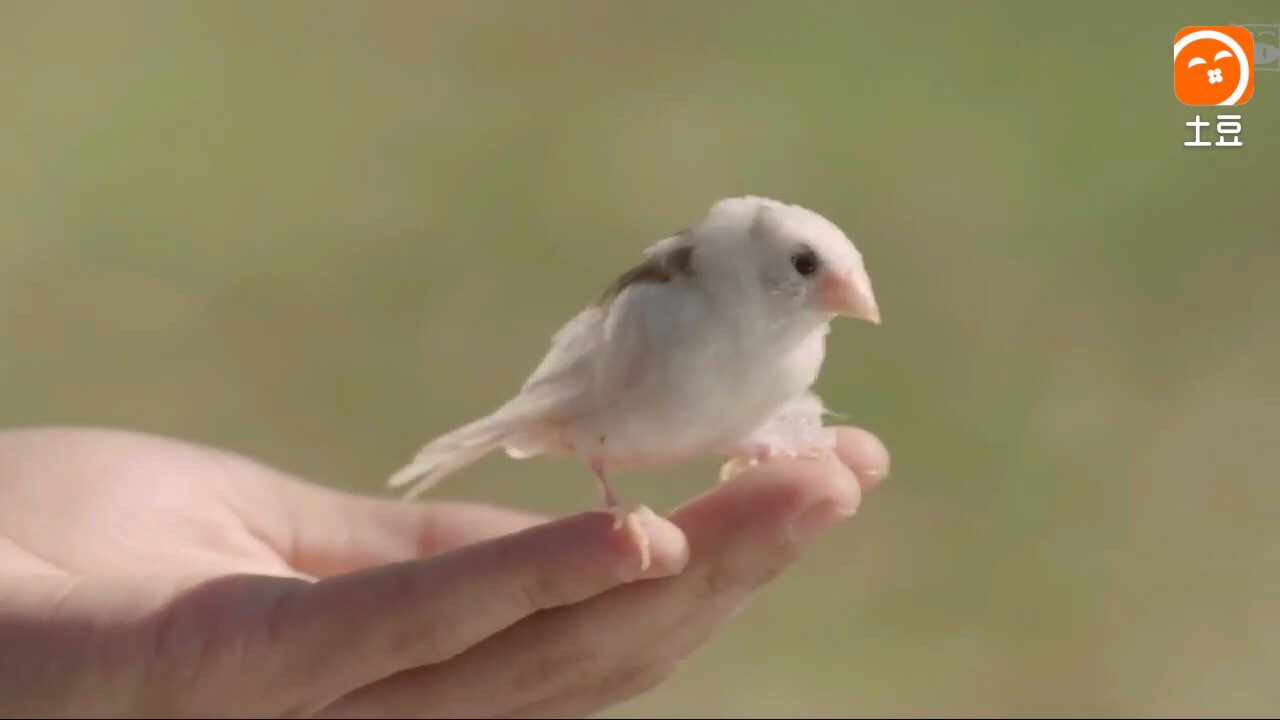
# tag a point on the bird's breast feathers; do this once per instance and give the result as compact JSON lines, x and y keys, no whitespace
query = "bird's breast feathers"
{"x":673,"y":373}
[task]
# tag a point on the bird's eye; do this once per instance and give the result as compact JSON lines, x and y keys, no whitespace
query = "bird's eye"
{"x":805,"y":262}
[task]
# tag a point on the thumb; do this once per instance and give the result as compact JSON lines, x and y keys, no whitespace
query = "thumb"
{"x":325,"y":532}
{"x":322,"y":531}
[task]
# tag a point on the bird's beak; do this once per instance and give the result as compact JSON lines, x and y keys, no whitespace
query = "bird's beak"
{"x":848,"y":294}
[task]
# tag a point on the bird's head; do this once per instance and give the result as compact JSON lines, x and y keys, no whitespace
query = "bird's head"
{"x":797,"y":258}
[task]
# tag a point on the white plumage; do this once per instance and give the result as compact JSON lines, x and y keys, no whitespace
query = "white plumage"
{"x":709,"y":346}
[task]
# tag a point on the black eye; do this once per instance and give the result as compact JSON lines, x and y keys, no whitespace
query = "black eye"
{"x":805,"y":262}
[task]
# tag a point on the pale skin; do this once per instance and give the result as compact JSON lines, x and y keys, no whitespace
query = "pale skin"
{"x":145,"y":576}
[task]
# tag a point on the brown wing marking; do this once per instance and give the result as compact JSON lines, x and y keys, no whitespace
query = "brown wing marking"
{"x":657,"y":268}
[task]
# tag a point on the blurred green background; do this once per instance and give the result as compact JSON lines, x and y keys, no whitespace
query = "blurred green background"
{"x":319,"y":234}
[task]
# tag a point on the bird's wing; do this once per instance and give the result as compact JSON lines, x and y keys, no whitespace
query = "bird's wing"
{"x":607,"y":349}
{"x":566,"y":367}
{"x":595,"y":355}
{"x":604,"y":351}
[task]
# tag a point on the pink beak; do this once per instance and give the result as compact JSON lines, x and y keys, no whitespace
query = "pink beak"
{"x":847,"y":294}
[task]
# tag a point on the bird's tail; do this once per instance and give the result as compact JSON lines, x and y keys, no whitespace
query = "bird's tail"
{"x":453,"y":451}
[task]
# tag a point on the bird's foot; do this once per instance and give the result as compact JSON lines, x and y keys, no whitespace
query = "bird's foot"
{"x":815,"y":452}
{"x":746,"y":460}
{"x":629,"y":516}
{"x":736,"y":466}
{"x":741,"y":463}
{"x":626,"y":515}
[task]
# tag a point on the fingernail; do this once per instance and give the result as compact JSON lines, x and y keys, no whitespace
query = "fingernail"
{"x":875,"y":461}
{"x":813,"y":520}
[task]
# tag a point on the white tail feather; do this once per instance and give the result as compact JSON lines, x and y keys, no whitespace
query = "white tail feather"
{"x":452,"y":451}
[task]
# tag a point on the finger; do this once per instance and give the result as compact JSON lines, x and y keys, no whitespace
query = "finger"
{"x":864,"y":454}
{"x":724,"y":570}
{"x":391,"y":618}
{"x":624,"y":641}
{"x":740,"y":539}
{"x":325,"y":532}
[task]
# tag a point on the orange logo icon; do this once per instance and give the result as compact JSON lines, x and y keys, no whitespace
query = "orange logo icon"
{"x":1213,"y":65}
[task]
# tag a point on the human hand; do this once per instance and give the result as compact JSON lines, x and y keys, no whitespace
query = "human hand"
{"x":144,"y":576}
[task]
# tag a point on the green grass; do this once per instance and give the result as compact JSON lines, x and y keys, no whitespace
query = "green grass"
{"x":320,"y":233}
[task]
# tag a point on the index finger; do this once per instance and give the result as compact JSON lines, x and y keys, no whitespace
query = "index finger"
{"x":570,"y":662}
{"x":743,"y":534}
{"x":352,"y":630}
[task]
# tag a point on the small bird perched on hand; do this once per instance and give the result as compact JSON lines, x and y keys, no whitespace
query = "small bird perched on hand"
{"x":708,"y":346}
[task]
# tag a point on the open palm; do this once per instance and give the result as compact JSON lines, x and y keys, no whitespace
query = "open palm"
{"x":142,"y":575}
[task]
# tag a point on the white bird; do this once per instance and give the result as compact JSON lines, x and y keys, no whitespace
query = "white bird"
{"x":708,"y":346}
